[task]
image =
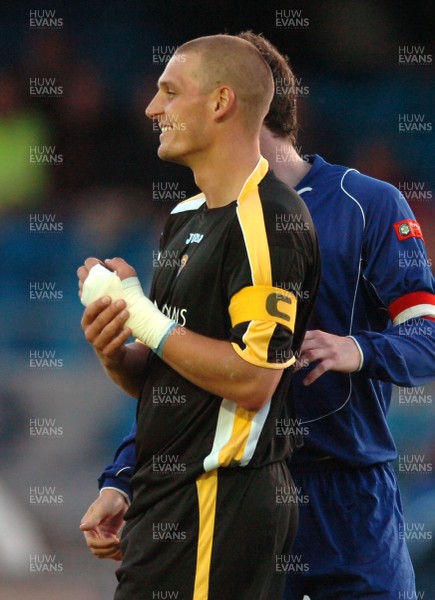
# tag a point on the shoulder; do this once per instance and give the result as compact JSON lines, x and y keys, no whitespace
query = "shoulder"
{"x":288,"y":222}
{"x":373,"y":197}
{"x":278,"y":195}
{"x":278,"y":200}
{"x":371,"y":193}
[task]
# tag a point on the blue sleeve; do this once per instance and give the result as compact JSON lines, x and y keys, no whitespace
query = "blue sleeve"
{"x":402,"y":354}
{"x":396,"y":268}
{"x":118,"y":473}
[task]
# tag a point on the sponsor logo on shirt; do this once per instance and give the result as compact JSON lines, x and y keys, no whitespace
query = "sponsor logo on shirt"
{"x":407,"y":229}
{"x":175,"y":313}
{"x":194,"y":238}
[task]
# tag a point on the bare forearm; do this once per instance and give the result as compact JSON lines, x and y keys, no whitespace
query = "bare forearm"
{"x":215,"y":366}
{"x":128,"y":370}
{"x":211,"y":364}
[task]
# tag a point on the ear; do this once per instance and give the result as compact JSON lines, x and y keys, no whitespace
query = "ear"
{"x":224,"y":103}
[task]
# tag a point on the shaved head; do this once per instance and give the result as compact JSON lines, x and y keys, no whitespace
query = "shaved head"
{"x":226,"y":60}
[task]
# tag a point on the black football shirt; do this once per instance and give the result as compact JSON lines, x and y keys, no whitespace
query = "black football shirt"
{"x":247,"y":273}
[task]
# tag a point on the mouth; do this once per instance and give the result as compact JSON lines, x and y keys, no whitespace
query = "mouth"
{"x":165,"y":127}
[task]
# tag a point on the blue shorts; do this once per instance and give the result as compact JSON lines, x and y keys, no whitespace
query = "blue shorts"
{"x":348,"y":544}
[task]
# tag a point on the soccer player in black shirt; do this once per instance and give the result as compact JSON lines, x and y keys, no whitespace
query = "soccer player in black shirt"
{"x":220,"y":332}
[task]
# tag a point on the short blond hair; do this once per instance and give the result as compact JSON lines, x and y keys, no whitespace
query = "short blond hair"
{"x":229,"y":60}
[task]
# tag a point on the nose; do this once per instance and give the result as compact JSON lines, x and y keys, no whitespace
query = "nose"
{"x":154,"y":108}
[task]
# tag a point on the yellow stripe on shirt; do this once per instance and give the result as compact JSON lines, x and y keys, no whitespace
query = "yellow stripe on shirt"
{"x":234,"y":449}
{"x":206,"y":487}
{"x":251,"y":220}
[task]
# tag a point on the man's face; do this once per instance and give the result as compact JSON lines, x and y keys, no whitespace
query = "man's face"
{"x":182,"y":109}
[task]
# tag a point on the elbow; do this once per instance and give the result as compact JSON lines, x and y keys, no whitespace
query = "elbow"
{"x":251,"y":402}
{"x":252,"y":395}
{"x":254,"y":402}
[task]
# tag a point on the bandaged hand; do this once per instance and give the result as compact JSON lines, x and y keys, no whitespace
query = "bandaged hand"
{"x":147,"y":323}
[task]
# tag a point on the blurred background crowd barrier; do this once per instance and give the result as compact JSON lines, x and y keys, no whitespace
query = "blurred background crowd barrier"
{"x":79,"y":177}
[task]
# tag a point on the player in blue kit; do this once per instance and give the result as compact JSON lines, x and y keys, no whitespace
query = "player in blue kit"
{"x":373,"y":325}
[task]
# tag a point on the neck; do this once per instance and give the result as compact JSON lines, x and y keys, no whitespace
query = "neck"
{"x":221,"y":175}
{"x":283,"y":158}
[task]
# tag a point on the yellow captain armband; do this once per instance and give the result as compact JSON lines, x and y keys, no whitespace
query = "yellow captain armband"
{"x":263,"y":307}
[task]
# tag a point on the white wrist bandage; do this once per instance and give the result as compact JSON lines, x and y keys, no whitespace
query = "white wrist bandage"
{"x":146,"y":321}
